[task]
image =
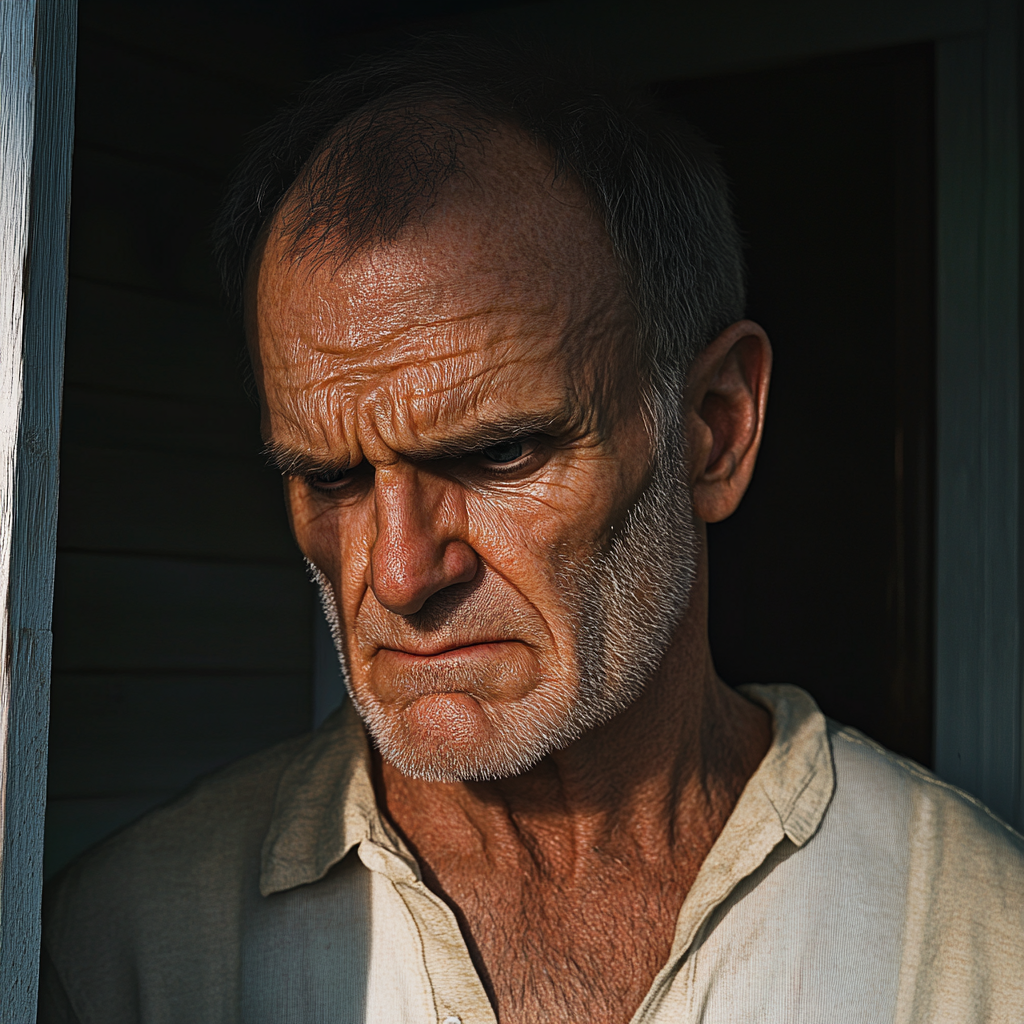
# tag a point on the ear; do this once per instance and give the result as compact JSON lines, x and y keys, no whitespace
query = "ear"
{"x":726,"y":395}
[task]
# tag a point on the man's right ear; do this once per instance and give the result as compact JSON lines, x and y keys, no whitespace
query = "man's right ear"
{"x":726,"y":396}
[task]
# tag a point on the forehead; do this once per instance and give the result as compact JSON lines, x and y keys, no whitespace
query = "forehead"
{"x":508,"y":280}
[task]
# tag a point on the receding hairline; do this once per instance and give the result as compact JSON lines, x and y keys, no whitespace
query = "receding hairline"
{"x":502,"y":174}
{"x":475,"y":142}
{"x":599,"y":293}
{"x":656,"y":184}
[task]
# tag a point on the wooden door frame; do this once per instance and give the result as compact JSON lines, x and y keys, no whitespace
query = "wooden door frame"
{"x":977,"y":563}
{"x":978,"y":702}
{"x":37,"y":61}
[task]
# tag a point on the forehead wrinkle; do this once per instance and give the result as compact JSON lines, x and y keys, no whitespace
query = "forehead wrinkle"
{"x":405,"y":329}
{"x":424,"y":394}
{"x":429,"y":399}
{"x":394,"y":421}
{"x":294,"y":460}
{"x":314,"y":418}
{"x":369,"y":311}
{"x":424,"y":377}
{"x":424,"y":366}
{"x":411,"y":399}
{"x":322,"y":437}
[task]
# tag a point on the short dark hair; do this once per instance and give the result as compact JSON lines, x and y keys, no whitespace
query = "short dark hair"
{"x":364,"y":148}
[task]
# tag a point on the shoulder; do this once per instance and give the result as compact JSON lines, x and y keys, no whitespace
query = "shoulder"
{"x":169,"y":888}
{"x":963,"y":917}
{"x":955,"y":828}
{"x":209,"y":825}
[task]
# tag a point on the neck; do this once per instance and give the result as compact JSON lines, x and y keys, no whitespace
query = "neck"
{"x":654,"y":784}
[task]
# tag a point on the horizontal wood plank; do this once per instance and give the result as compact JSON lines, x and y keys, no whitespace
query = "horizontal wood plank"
{"x":172,"y":113}
{"x":157,"y":423}
{"x":169,"y":503}
{"x":126,"y":340}
{"x":138,"y":615}
{"x":142,"y":225}
{"x":132,"y":735}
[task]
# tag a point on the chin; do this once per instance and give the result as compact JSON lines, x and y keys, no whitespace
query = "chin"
{"x":454,"y":737}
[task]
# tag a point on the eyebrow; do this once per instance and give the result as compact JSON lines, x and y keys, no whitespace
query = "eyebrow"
{"x":300,"y":462}
{"x":463,"y":440}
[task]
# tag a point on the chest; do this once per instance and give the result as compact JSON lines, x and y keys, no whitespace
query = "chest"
{"x":586,"y":949}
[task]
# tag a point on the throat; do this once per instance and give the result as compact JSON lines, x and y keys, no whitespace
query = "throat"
{"x":561,"y":954}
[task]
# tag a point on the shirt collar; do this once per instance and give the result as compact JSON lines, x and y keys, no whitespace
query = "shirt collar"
{"x":786,"y":798}
{"x":325,"y":805}
{"x":797,"y":775}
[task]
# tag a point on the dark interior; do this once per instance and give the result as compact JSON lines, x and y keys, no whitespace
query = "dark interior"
{"x":823,"y":576}
{"x":183,"y":618}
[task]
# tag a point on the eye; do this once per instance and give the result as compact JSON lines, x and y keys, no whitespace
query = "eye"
{"x":504,"y":451}
{"x":329,"y":480}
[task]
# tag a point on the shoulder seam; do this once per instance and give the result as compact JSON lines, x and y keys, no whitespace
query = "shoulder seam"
{"x":922,"y":774}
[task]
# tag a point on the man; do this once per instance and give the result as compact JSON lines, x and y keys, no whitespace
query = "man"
{"x":496,"y":326}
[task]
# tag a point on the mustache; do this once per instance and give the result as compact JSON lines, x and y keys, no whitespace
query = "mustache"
{"x":484,"y":610}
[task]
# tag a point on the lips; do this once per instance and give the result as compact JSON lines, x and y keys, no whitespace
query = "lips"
{"x":487,"y":670}
{"x":437,"y":650}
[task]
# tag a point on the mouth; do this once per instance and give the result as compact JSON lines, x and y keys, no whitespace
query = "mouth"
{"x":475,"y":648}
{"x":495,"y":669}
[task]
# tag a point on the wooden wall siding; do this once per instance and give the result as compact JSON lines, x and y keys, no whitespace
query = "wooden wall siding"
{"x":183,"y":618}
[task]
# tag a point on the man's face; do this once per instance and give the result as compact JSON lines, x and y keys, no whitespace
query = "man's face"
{"x":466,"y":436}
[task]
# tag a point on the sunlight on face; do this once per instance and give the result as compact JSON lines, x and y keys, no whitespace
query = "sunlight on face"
{"x":471,"y":474}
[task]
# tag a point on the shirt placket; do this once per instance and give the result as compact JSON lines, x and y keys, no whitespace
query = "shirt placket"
{"x":457,"y":992}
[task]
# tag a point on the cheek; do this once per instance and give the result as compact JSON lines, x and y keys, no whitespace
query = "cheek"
{"x":520,"y":538}
{"x":566,"y":514}
{"x":529,"y":538}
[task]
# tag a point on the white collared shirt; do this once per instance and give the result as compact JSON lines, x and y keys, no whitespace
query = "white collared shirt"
{"x":848,"y":885}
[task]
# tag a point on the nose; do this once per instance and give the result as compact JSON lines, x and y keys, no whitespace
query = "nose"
{"x":417,"y":551}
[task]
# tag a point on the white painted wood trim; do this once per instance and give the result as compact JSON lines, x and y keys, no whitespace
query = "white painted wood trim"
{"x":37,"y":50}
{"x":17,"y":124}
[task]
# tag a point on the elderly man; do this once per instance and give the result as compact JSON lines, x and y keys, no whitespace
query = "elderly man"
{"x":496,"y":325}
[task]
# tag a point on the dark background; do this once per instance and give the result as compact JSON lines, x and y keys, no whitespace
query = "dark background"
{"x":823,"y":576}
{"x":183,"y":619}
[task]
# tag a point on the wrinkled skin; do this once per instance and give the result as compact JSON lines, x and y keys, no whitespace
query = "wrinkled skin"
{"x":394,"y":389}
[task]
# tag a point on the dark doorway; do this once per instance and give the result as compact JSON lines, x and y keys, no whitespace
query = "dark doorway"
{"x":823,"y":577}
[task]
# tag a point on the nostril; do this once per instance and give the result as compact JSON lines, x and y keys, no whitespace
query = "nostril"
{"x":397,"y":589}
{"x":461,"y":563}
{"x":403,"y":580}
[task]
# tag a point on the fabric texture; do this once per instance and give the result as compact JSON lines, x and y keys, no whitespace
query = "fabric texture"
{"x":848,"y":885}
